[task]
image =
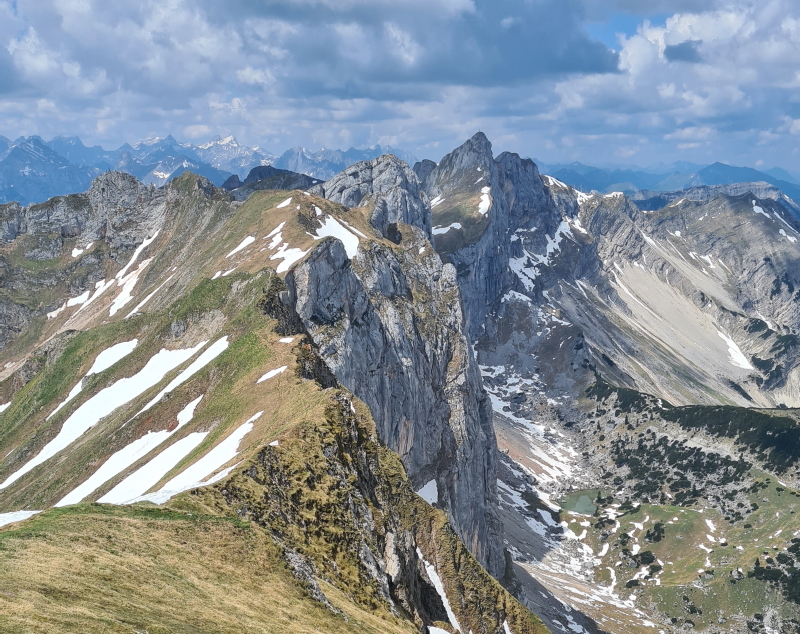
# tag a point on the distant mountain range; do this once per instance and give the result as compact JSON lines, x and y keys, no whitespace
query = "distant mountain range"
{"x":327,"y":163}
{"x":32,"y":170}
{"x":666,"y":178}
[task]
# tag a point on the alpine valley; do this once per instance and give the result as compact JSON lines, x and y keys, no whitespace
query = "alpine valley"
{"x":462,"y":397}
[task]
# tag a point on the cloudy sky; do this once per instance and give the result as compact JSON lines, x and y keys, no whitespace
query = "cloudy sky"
{"x":627,"y":82}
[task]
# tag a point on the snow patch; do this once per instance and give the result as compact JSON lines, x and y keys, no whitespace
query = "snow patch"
{"x":136,"y":255}
{"x":285,"y":203}
{"x":289,"y":256}
{"x":76,"y":251}
{"x":276,"y":230}
{"x":430,"y":492}
{"x":554,"y":182}
{"x":437,"y":201}
{"x":242,"y":245}
{"x":437,"y":583}
{"x":272,"y":373}
{"x":332,"y":228}
{"x":486,"y":201}
{"x":147,"y":476}
{"x":286,"y":340}
{"x":127,"y":456}
{"x":16,"y":516}
{"x":440,"y":230}
{"x":759,"y":210}
{"x":736,"y":357}
{"x":213,"y":351}
{"x":199,"y":474}
{"x":127,"y":283}
{"x":103,"y":361}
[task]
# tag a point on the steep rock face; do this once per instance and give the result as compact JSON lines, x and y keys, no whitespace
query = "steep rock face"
{"x":593,"y":273}
{"x":389,"y":325}
{"x":76,"y":238}
{"x":381,"y":527}
{"x":423,"y":170}
{"x":387,"y":184}
{"x":115,"y":203}
{"x":480,"y":244}
{"x":461,"y":177}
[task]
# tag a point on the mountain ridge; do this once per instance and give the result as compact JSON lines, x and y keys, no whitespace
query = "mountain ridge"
{"x":635,"y":360}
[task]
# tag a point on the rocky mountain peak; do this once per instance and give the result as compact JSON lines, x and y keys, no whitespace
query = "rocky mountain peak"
{"x":461,"y":165}
{"x":388,"y":185}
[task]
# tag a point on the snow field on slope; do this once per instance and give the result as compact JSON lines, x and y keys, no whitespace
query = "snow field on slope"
{"x":213,"y":351}
{"x":242,"y":245}
{"x":332,"y":228}
{"x":437,"y":583}
{"x":16,"y":516}
{"x":4,"y":407}
{"x":127,"y":456}
{"x":121,"y":274}
{"x":104,"y":360}
{"x":127,"y":283}
{"x":122,"y":279}
{"x":735,"y":354}
{"x":105,"y":402}
{"x":199,"y":474}
{"x":144,"y":478}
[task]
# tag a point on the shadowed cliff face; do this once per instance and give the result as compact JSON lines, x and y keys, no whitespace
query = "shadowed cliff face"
{"x":389,"y":325}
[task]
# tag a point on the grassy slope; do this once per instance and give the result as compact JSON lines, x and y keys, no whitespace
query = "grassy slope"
{"x":95,"y":568}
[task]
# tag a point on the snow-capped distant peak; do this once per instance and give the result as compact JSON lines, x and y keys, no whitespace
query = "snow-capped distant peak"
{"x":149,"y":141}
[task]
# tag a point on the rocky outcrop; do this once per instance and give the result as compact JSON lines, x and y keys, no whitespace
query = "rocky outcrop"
{"x":115,"y":215}
{"x":653,"y":201}
{"x":379,"y":542}
{"x":114,"y":206}
{"x":389,"y":325}
{"x":267,"y":177}
{"x":423,"y":170}
{"x":387,"y":185}
{"x":518,"y":201}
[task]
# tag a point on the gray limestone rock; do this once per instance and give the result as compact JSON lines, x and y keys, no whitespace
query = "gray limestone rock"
{"x":388,"y":185}
{"x":389,"y":325}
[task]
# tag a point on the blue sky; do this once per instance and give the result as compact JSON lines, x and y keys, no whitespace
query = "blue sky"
{"x":625,"y":82}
